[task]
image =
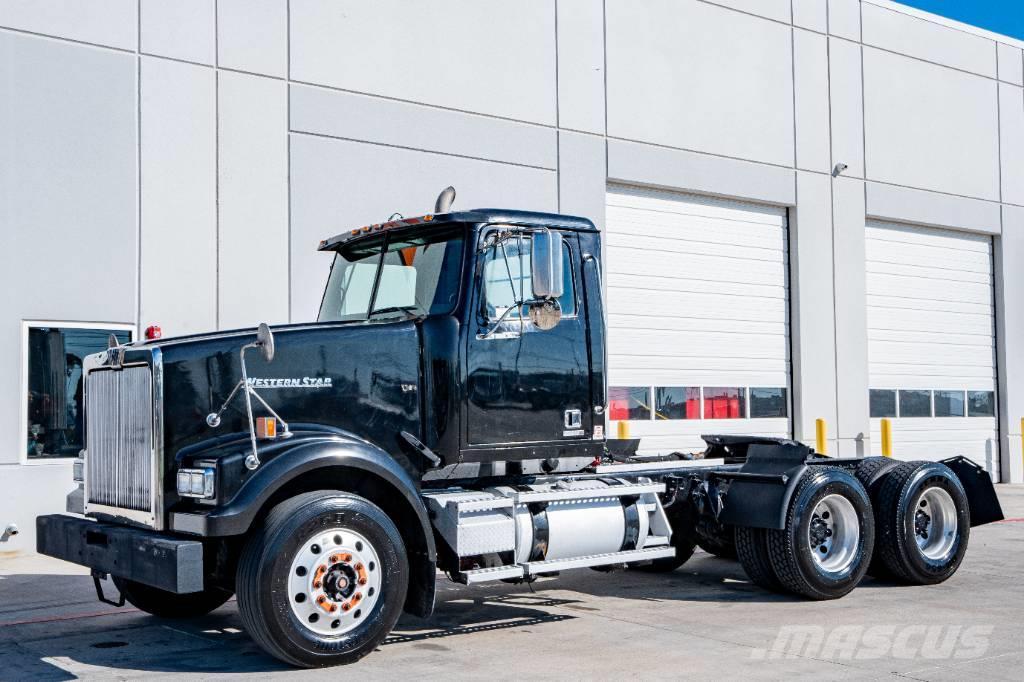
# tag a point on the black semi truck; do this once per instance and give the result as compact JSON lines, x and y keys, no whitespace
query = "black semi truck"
{"x":447,"y":412}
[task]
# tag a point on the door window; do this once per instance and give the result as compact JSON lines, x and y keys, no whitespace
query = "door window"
{"x":507,"y":268}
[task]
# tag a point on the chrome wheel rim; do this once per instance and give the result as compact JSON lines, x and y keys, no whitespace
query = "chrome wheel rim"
{"x":334,"y":581}
{"x":834,"y":534}
{"x":935,"y":524}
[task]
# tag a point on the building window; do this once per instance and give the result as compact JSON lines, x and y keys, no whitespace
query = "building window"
{"x":676,"y":403}
{"x":949,"y":403}
{"x":915,"y":403}
{"x":632,"y":402}
{"x":725,"y":403}
{"x":768,"y":403}
{"x":55,"y":417}
{"x":882,"y":402}
{"x":981,"y":404}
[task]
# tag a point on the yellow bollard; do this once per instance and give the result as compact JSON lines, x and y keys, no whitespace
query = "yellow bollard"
{"x":886,"y":438}
{"x":623,"y":430}
{"x":820,"y":437}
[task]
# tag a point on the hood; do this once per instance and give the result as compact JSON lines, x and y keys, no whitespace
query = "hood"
{"x":360,"y":378}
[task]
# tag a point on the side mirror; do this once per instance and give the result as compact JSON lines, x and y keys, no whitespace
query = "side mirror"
{"x":546,"y":261}
{"x":265,"y":341}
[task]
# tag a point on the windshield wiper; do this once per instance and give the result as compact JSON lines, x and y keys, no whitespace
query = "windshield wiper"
{"x":406,"y":310}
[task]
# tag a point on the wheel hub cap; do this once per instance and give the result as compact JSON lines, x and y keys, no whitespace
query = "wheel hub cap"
{"x":936,"y":524}
{"x":335,"y":581}
{"x":834,"y":534}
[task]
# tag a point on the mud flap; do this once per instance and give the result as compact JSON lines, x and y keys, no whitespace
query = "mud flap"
{"x":759,"y":493}
{"x":981,"y":494}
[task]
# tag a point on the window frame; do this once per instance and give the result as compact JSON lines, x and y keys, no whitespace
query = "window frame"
{"x":995,"y":405}
{"x":785,"y":401}
{"x":654,"y":403}
{"x":744,"y":396}
{"x":931,"y":403}
{"x":527,"y":234}
{"x":895,"y":403}
{"x":963,"y":403}
{"x":26,"y":325}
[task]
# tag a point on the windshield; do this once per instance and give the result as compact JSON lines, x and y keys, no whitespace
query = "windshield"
{"x":414,"y":275}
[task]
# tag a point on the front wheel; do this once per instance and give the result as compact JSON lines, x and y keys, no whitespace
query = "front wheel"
{"x":323,"y":580}
{"x":825,"y":548}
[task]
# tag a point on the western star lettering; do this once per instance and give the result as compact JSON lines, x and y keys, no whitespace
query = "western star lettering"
{"x":290,"y":382}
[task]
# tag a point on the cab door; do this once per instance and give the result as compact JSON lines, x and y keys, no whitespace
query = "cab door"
{"x":528,"y":390}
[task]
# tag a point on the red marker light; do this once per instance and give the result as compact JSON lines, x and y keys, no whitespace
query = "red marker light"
{"x":153,"y":332}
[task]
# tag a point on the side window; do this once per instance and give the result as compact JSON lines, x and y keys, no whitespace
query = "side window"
{"x":507,"y":278}
{"x":54,"y":399}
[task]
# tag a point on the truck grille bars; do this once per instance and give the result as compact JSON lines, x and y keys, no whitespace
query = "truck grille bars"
{"x":120,"y":467}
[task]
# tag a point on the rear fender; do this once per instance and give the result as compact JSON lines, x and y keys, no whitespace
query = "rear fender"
{"x":981,"y":494}
{"x":760,"y":492}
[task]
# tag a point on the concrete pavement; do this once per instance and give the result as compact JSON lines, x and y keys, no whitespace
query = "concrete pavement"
{"x":703,"y":621}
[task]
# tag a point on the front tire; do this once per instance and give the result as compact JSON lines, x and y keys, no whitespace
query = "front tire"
{"x":322,"y":582}
{"x":825,"y":548}
{"x":923,"y":522}
{"x":164,"y":604}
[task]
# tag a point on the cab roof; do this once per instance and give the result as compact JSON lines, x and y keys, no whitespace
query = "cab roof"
{"x":477,"y":216}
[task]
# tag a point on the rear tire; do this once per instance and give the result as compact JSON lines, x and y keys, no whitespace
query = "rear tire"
{"x":923,"y":521}
{"x":164,"y":604}
{"x":872,"y":470}
{"x":825,"y":548}
{"x":323,"y":580}
{"x":752,"y":552}
{"x":722,"y":543}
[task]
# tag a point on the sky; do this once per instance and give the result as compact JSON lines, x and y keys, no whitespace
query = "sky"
{"x":1001,"y":16}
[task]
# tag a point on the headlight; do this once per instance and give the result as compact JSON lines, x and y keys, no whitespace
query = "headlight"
{"x":197,"y":483}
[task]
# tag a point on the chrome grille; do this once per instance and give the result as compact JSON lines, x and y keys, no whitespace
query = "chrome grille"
{"x":119,"y":441}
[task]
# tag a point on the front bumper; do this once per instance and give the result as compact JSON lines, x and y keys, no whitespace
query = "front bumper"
{"x":144,"y":556}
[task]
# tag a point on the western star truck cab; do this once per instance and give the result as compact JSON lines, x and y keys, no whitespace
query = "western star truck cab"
{"x":447,"y":412}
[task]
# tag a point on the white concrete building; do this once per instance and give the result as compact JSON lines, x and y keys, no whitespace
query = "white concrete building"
{"x":813,"y":210}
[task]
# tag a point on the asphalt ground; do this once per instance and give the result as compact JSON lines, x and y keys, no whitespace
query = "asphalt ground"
{"x":703,"y":621}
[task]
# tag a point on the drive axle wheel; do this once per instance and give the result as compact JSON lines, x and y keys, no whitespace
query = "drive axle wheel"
{"x":323,"y":580}
{"x":752,"y":551}
{"x":721,"y":542}
{"x":825,"y":548}
{"x":923,"y":522}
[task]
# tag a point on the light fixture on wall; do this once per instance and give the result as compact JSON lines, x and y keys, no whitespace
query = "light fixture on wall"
{"x":839,"y":168}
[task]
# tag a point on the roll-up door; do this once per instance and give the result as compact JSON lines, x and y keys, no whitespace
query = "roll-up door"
{"x":931,"y":342}
{"x":698,"y":317}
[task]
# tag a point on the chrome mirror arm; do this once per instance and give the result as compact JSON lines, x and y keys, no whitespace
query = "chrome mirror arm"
{"x":253,"y":460}
{"x":265,"y":344}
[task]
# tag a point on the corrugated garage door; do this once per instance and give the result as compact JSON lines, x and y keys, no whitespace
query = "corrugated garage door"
{"x":698,"y":317}
{"x":931,"y":342}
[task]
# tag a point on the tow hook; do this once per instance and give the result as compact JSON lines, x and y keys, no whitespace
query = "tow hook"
{"x":97,"y":576}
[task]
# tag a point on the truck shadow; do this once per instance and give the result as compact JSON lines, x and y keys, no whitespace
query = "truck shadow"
{"x":45,"y":637}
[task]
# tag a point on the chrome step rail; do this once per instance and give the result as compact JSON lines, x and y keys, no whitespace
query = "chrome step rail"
{"x":532,"y":568}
